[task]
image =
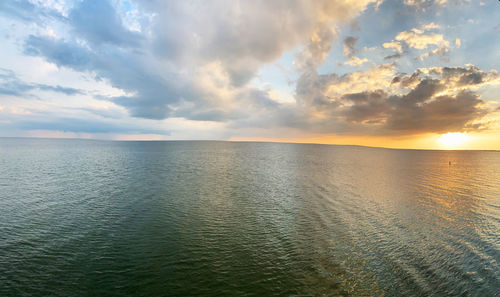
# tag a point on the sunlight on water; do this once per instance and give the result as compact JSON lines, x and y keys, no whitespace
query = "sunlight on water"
{"x":217,"y":218}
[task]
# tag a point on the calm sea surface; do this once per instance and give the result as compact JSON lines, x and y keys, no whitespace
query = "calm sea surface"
{"x":98,"y":218}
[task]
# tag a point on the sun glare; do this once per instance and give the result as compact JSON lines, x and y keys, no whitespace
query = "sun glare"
{"x":452,"y":140}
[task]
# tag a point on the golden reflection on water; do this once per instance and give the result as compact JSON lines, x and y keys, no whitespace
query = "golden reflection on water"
{"x":248,"y":218}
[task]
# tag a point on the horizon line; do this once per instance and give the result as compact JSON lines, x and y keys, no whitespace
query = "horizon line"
{"x":242,"y":141}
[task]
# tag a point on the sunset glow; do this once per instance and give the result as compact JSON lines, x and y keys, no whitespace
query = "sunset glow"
{"x":365,"y":72}
{"x":453,"y":140}
{"x":249,"y":147}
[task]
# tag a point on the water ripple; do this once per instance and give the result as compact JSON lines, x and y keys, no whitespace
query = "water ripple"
{"x":252,"y":219}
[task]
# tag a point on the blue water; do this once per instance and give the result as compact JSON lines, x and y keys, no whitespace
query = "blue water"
{"x":101,"y":218}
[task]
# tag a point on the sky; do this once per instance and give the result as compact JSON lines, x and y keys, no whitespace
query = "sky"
{"x":402,"y":74}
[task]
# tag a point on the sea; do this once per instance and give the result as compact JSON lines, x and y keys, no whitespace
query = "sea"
{"x":217,"y":218}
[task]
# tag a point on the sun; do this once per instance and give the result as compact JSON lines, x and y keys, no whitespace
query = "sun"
{"x":452,"y":140}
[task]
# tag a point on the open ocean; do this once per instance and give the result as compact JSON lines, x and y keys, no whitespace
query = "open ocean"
{"x":202,"y":218}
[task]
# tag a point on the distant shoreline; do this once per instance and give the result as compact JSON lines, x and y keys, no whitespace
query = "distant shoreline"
{"x":249,"y":141}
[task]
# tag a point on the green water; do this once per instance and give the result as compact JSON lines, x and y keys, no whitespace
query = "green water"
{"x":99,"y":218}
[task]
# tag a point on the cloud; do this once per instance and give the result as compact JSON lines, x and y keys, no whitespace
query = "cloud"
{"x":416,"y":39}
{"x":198,"y":61}
{"x":59,"y":52}
{"x":442,"y":114}
{"x":433,"y":100}
{"x":316,"y":49}
{"x":59,"y":89}
{"x":394,"y":45}
{"x":420,"y":39}
{"x":355,"y":61}
{"x":366,"y":106}
{"x":23,"y":10}
{"x":408,"y":81}
{"x":430,"y":26}
{"x":441,"y":50}
{"x":424,"y":4}
{"x":79,"y":125}
{"x":349,"y":46}
{"x":470,"y":76}
{"x":99,"y":23}
{"x":69,"y":119}
{"x":10,"y":84}
{"x":161,"y":69}
{"x":349,"y":51}
{"x":27,"y":11}
{"x":395,"y":56}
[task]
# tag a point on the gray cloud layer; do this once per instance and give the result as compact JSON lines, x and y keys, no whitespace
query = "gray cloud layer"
{"x":439,"y":101}
{"x":10,"y":84}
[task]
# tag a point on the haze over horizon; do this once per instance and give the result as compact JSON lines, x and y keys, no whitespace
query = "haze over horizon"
{"x":401,"y":74}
